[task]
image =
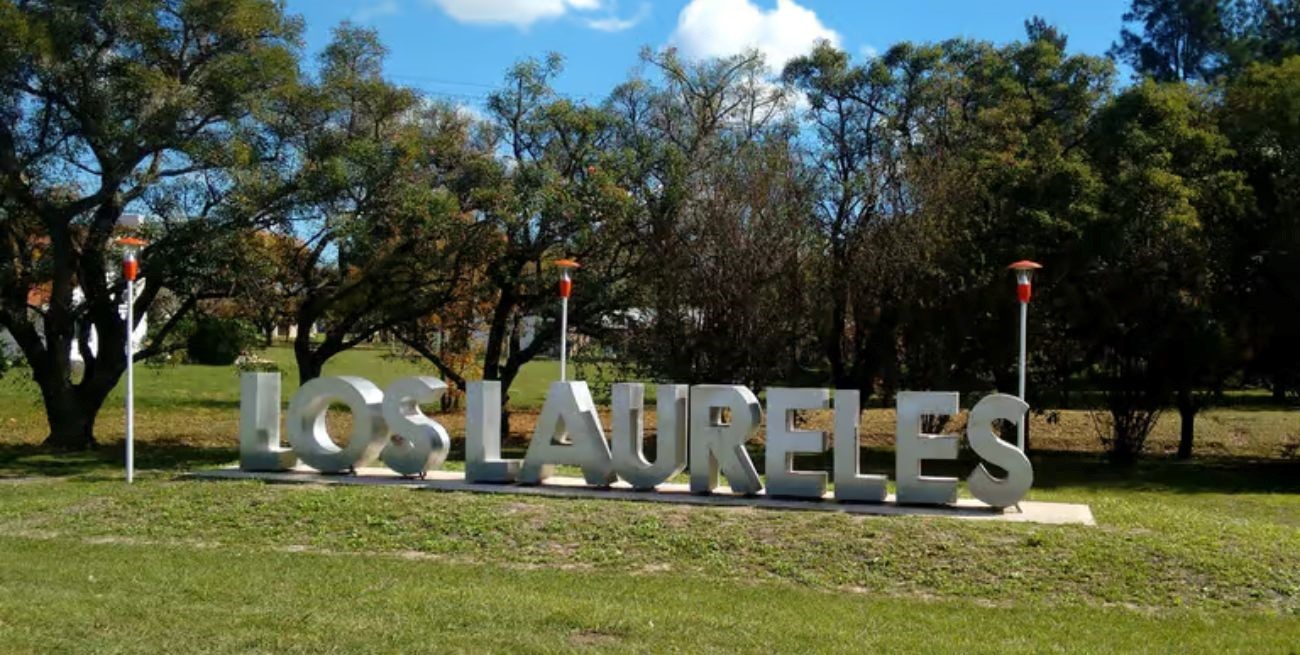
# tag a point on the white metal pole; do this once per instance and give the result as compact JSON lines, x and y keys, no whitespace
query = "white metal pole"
{"x":130,"y":381}
{"x":1024,"y":324}
{"x":564,"y":336}
{"x":566,"y":288}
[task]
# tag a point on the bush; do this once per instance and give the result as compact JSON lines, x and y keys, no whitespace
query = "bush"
{"x":219,"y":341}
{"x":252,"y":363}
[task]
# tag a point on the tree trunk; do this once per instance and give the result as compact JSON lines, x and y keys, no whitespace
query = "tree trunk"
{"x":71,"y":410}
{"x":1187,"y":417}
{"x":834,"y":344}
{"x":496,"y":338}
{"x":308,"y":369}
{"x":72,"y":426}
{"x":309,"y":364}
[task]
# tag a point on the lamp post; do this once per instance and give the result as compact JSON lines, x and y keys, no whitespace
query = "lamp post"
{"x":566,"y":289}
{"x":1024,"y":289}
{"x":130,"y":270}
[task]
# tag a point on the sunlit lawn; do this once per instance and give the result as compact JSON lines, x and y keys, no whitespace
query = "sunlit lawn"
{"x":1199,"y":556}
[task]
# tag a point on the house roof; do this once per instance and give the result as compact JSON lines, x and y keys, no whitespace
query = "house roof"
{"x":39,"y":295}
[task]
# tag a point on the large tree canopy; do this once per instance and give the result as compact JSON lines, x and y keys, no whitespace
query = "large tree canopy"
{"x":110,"y":106}
{"x":843,"y":221}
{"x":1179,"y":40}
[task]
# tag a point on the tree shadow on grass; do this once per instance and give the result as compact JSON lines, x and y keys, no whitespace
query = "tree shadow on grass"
{"x":1202,"y":474}
{"x":193,"y":403}
{"x":1071,"y":469}
{"x":25,"y":460}
{"x":1052,"y":469}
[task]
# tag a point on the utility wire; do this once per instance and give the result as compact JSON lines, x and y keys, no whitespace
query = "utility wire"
{"x":423,"y":83}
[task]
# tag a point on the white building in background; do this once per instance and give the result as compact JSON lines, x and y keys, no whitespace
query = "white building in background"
{"x":39,"y":297}
{"x":527,"y":332}
{"x":137,"y":335}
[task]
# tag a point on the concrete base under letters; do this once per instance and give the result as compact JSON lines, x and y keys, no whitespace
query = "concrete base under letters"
{"x":565,"y":487}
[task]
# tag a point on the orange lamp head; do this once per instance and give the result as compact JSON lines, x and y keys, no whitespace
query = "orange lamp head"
{"x":566,"y":283}
{"x":1024,"y":275}
{"x":130,"y":266}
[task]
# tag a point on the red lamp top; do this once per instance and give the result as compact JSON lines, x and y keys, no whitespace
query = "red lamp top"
{"x":130,"y":267}
{"x":566,"y":284}
{"x":1024,"y":271}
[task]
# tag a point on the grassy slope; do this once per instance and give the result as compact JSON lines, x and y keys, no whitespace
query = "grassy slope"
{"x":198,"y":404}
{"x":1201,"y":556}
{"x":119,"y":598}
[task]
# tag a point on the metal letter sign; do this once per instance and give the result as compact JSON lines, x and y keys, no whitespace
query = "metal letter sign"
{"x":419,"y":443}
{"x":259,"y":424}
{"x":708,"y":424}
{"x":850,"y":484}
{"x":483,"y":461}
{"x":720,"y":443}
{"x":629,"y":434}
{"x":913,"y":447}
{"x":311,"y":440}
{"x":783,"y":441}
{"x":568,"y":432}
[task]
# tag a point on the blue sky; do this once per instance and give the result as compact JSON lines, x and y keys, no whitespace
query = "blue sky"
{"x":459,"y":48}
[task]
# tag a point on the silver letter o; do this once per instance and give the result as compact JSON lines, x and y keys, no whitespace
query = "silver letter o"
{"x":306,"y":423}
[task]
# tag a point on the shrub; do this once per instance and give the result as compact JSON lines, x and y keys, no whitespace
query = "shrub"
{"x":1133,"y":394}
{"x":219,"y":341}
{"x":252,"y":363}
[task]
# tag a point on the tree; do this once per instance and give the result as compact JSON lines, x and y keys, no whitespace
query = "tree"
{"x":106,"y":106}
{"x":858,"y":160}
{"x":1038,"y":29}
{"x":554,"y":192}
{"x":722,"y":198}
{"x":375,"y":238}
{"x":996,"y":173}
{"x":1178,"y":41}
{"x":1261,"y":31}
{"x":1260,"y":254}
{"x":261,"y":292}
{"x":1148,"y":288}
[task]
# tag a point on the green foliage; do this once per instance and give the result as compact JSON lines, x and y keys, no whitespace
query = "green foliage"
{"x":1260,"y":252}
{"x":150,"y":106}
{"x":1146,"y":299}
{"x":252,"y":363}
{"x":367,"y":226}
{"x":727,"y":231}
{"x":220,"y":341}
{"x":1205,"y":40}
{"x":1179,"y":41}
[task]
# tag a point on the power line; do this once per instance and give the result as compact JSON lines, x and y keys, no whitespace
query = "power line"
{"x":435,"y":80}
{"x":423,"y":82}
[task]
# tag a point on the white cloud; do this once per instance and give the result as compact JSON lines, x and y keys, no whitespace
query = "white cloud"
{"x":718,"y":28}
{"x":375,"y":10}
{"x":474,"y":113}
{"x":519,"y":13}
{"x":869,"y":51}
{"x":616,"y":24}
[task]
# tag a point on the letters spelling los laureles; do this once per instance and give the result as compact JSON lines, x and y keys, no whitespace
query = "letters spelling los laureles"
{"x":389,"y":425}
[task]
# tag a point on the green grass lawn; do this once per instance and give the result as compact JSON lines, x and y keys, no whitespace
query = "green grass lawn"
{"x":169,"y":386}
{"x":1200,"y":556}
